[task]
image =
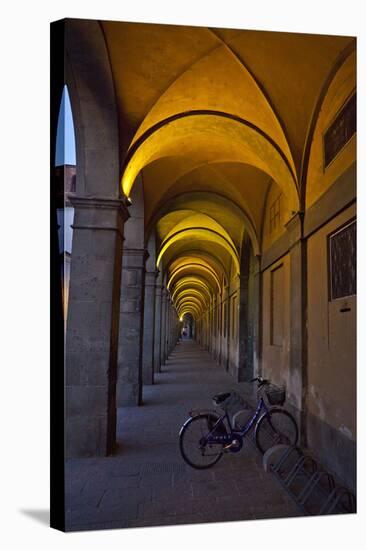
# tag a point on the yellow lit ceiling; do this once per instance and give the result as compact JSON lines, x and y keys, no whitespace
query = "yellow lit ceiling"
{"x":211,"y":119}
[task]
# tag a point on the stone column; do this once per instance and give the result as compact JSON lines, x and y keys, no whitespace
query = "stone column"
{"x":173,"y":330}
{"x":298,"y":356}
{"x":220,"y":313}
{"x":129,"y":375}
{"x":167,"y":326}
{"x":210,"y":328}
{"x":92,"y":328}
{"x":163,"y":326}
{"x":215,"y":332}
{"x":169,"y":333}
{"x":149,"y":328}
{"x":257,"y":322}
{"x":228,"y":327}
{"x":157,"y":328}
{"x":243,"y":368}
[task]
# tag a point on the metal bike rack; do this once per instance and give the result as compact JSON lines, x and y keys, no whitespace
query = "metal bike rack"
{"x":313,"y":489}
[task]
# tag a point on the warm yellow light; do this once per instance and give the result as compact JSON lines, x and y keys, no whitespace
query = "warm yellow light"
{"x":196,"y":267}
{"x":203,"y":228}
{"x":211,"y":138}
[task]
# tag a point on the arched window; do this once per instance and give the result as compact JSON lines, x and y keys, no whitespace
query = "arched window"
{"x":65,"y":171}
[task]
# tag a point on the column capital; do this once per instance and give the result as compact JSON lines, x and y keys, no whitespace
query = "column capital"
{"x":97,"y":203}
{"x":134,"y":257}
{"x":99,"y":213}
{"x":135,"y":252}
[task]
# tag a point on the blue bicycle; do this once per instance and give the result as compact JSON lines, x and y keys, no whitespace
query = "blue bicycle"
{"x":207,"y":434}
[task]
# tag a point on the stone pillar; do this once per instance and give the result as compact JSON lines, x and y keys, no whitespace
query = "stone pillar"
{"x":169,"y":333}
{"x":92,"y":328}
{"x":298,"y":358}
{"x":149,"y":328}
{"x":244,"y":368}
{"x":173,"y":330}
{"x":163,"y":326}
{"x":167,"y":326}
{"x":157,"y":328}
{"x":129,"y":375}
{"x":257,"y":322}
{"x":228,"y":327}
{"x":210,"y":327}
{"x":219,"y":328}
{"x":214,"y":328}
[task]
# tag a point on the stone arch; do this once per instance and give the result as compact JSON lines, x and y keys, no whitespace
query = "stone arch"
{"x":338,"y":88}
{"x":342,"y":58}
{"x":188,"y":199}
{"x":89,"y":79}
{"x":218,"y":129}
{"x":95,"y":279}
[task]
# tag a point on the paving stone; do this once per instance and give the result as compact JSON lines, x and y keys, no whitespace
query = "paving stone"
{"x":194,"y":475}
{"x":115,"y":497}
{"x":84,"y":500}
{"x":155,"y":509}
{"x":163,"y":493}
{"x":214,"y":488}
{"x":154,"y":480}
{"x":228,"y":503}
{"x":147,"y":483}
{"x":122,"y":482}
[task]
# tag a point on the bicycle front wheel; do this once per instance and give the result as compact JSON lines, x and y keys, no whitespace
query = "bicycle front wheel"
{"x":276,"y":427}
{"x":192,"y":441}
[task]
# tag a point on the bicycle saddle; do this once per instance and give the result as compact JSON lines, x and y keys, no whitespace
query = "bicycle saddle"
{"x":220,"y":397}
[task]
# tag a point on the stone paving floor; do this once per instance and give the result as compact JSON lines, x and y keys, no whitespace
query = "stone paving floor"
{"x":147,"y":483}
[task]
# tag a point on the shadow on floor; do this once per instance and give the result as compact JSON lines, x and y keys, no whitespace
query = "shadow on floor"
{"x":42,"y":516}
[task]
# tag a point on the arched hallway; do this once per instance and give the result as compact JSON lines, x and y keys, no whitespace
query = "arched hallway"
{"x":213,"y":199}
{"x":145,"y":482}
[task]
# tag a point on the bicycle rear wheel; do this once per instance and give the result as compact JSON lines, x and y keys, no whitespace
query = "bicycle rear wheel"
{"x":192,"y":441}
{"x":276,"y":427}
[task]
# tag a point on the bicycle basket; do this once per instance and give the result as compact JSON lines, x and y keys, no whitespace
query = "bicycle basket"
{"x":276,"y":395}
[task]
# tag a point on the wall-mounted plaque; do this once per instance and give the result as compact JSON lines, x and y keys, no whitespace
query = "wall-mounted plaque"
{"x":342,"y":262}
{"x":340,"y":131}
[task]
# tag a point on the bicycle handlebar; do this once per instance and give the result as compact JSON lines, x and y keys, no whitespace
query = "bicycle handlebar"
{"x":261,"y":381}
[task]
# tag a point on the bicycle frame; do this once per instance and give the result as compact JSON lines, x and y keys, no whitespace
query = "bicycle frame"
{"x":261,"y":406}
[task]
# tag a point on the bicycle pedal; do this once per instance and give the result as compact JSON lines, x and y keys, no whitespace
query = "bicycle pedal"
{"x":234,"y":444}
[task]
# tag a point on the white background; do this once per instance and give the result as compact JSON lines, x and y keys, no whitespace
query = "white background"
{"x":24,"y":302}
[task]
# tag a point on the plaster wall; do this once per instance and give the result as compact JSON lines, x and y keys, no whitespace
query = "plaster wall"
{"x":273,"y":230}
{"x":331,"y":398}
{"x":225,"y":329}
{"x":319,"y":178}
{"x":276,"y":355}
{"x":233,"y":333}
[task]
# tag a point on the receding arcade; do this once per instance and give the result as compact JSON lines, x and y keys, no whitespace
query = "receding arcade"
{"x":201,"y":194}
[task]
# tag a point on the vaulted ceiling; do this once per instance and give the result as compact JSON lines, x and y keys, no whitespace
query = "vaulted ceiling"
{"x":211,"y":118}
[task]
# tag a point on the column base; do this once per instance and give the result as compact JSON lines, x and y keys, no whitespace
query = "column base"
{"x":128,"y":395}
{"x":88,"y":436}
